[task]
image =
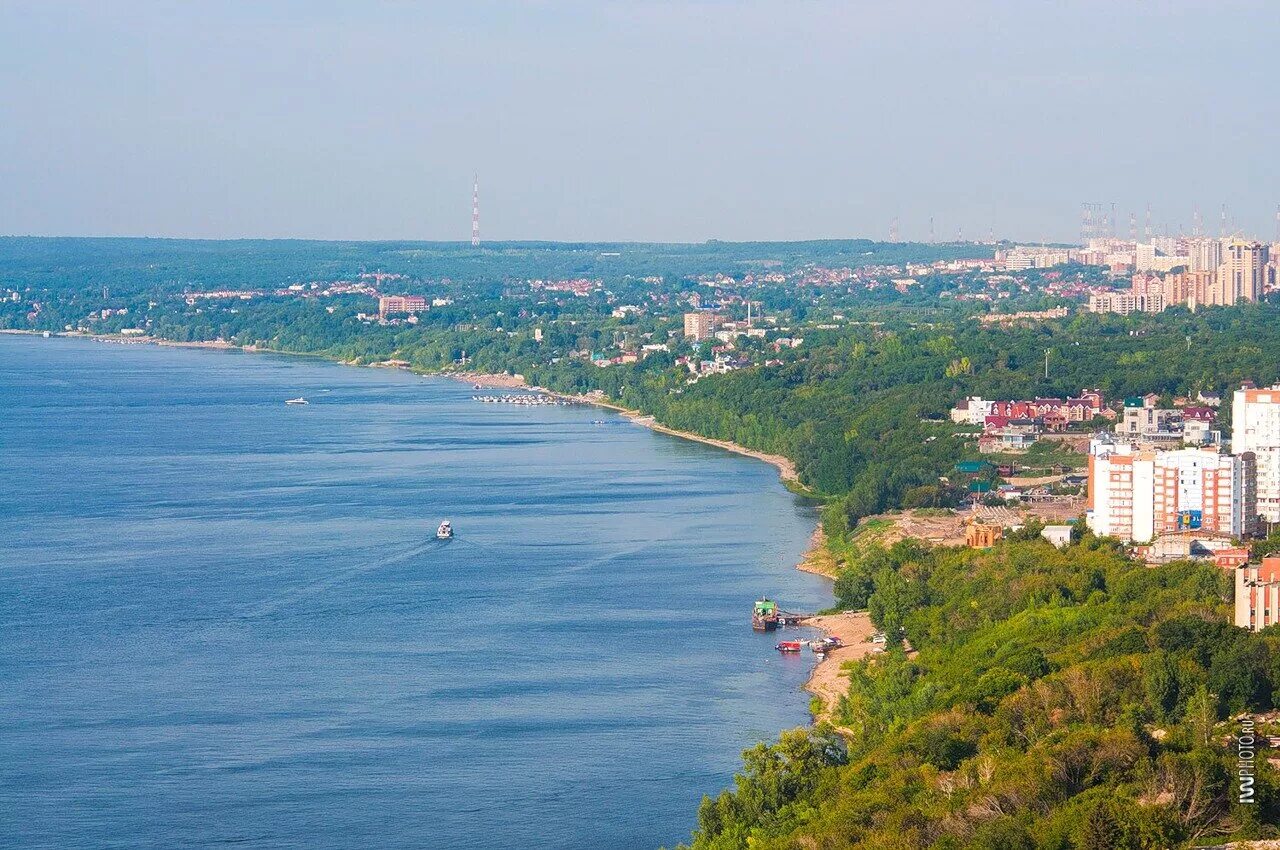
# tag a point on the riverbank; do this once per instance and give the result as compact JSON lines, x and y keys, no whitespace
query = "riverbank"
{"x":786,"y":468}
{"x":829,"y":681}
{"x":818,"y":558}
{"x":489,"y":380}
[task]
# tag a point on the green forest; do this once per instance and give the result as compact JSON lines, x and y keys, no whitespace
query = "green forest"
{"x":1052,"y":700}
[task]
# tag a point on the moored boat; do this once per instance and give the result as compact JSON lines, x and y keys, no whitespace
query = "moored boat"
{"x":822,"y":647}
{"x":764,"y":616}
{"x":788,"y":646}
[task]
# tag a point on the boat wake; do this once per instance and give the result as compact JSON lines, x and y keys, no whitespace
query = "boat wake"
{"x":298,"y":594}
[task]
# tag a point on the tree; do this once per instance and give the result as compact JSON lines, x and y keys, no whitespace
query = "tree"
{"x":1160,"y":682}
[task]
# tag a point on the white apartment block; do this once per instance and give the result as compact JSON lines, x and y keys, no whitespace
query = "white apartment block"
{"x":1137,"y":495}
{"x":1255,"y":427}
{"x":1125,"y":302}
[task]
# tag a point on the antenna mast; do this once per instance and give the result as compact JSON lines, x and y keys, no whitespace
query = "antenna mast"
{"x":475,"y":213}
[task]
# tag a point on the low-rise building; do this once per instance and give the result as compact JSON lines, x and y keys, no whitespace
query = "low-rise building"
{"x":979,"y":535}
{"x":1058,"y":535}
{"x":1009,"y":435}
{"x":1143,"y":421}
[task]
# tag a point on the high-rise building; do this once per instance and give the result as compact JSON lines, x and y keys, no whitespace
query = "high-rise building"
{"x":1258,"y":595}
{"x":1138,"y":495}
{"x":1206,"y":254}
{"x":700,"y":325}
{"x":1255,"y":427}
{"x":1243,"y":273}
{"x":388,"y":304}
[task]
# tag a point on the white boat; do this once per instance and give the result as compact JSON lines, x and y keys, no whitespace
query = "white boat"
{"x":298,"y":400}
{"x":445,"y":531}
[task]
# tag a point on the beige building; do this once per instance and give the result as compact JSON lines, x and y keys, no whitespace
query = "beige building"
{"x":1243,"y":273}
{"x":700,"y":325}
{"x":388,"y":304}
{"x":1125,"y":303}
{"x":1258,"y":595}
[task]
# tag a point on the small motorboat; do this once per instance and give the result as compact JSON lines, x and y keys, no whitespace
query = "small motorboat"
{"x":788,"y":646}
{"x":445,"y":531}
{"x":822,"y":647}
{"x":298,"y":400}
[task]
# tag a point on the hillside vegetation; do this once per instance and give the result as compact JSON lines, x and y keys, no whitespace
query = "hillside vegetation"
{"x":1058,"y":700}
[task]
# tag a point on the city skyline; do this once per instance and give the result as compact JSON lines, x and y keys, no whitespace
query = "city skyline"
{"x":676,"y":121}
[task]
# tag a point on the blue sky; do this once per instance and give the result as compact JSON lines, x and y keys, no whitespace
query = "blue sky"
{"x":635,"y":120}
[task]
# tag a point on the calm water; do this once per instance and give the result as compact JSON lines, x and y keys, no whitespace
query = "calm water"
{"x":224,"y":620}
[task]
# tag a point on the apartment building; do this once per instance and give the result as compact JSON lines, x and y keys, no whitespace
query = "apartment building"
{"x":1243,"y":273}
{"x":1205,"y":254}
{"x":388,"y":304}
{"x":1138,"y":494}
{"x":1125,"y":303}
{"x":1258,"y":595}
{"x":700,"y":325}
{"x":1255,"y":427}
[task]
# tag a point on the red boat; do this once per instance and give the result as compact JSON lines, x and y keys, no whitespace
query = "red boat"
{"x":788,"y":646}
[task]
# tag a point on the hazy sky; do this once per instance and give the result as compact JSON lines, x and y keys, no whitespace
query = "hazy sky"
{"x":635,"y":119}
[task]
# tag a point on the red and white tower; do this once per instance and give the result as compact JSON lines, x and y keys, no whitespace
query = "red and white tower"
{"x":475,"y":213}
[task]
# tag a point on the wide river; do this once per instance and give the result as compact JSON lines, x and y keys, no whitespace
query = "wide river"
{"x":224,"y":620}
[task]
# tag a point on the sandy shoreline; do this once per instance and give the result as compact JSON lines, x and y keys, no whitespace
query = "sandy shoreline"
{"x":818,"y":559}
{"x":786,"y":469}
{"x":829,"y":682}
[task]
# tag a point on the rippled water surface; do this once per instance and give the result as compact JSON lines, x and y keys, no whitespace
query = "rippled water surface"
{"x":227,"y":620}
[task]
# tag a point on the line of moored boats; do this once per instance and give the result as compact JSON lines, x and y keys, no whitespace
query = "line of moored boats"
{"x":820,"y":647}
{"x":525,"y":399}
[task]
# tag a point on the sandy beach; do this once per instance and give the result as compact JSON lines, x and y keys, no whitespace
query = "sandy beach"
{"x":490,"y":380}
{"x":829,"y":682}
{"x":786,"y":469}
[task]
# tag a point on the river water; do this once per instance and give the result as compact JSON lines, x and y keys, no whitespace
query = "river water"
{"x":227,"y":620}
